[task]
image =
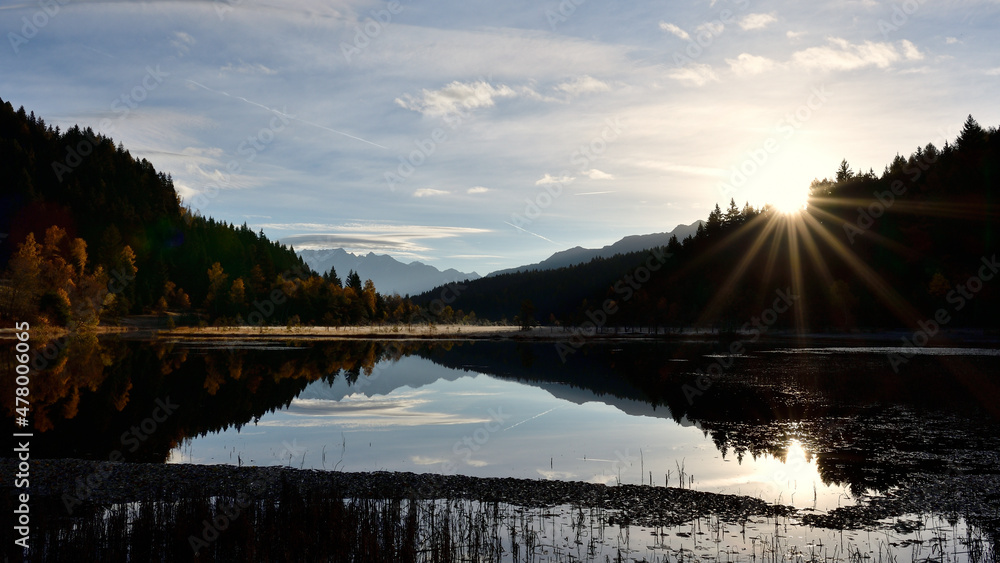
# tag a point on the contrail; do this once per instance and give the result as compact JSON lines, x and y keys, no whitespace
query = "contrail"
{"x":532,"y":418}
{"x":531,"y":233}
{"x":595,"y":193}
{"x":283,"y":114}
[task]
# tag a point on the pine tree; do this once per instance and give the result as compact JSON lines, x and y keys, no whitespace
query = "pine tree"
{"x":354,"y":281}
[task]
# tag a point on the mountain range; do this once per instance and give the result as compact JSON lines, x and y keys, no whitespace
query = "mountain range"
{"x":388,"y":274}
{"x":579,"y":255}
{"x":392,"y":276}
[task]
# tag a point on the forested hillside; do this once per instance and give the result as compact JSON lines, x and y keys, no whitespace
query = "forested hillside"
{"x":870,"y":250}
{"x":91,"y":233}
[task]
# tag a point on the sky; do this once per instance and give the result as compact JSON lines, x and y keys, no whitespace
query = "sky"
{"x":485,"y":135}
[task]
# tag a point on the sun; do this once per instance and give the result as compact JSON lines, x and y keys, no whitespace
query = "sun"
{"x":789,"y":199}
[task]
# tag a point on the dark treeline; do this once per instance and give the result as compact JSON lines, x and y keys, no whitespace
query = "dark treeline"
{"x":94,"y":234}
{"x":871,"y":250}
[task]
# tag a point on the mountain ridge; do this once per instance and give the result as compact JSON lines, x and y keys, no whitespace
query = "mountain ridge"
{"x":578,"y":254}
{"x":388,"y":274}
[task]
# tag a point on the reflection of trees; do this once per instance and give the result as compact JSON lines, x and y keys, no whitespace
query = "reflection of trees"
{"x":867,"y":426}
{"x":96,"y":390}
{"x":72,"y":366}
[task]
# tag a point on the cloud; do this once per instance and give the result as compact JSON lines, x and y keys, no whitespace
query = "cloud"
{"x":582,"y":85}
{"x":477,"y":190}
{"x":712,"y":28}
{"x":694,"y":75}
{"x":951,"y":40}
{"x":422,"y":460}
{"x":247,"y":68}
{"x":749,"y":65}
{"x":795,"y":34}
{"x":842,"y":55}
{"x":757,"y":21}
{"x":549,"y":179}
{"x":993,"y":71}
{"x":182,"y":42}
{"x":671,"y":28}
{"x":595,"y":174}
{"x":682,"y":168}
{"x":407,"y":410}
{"x":911,"y":52}
{"x":399,"y":240}
{"x":456,"y":97}
{"x":429,"y":192}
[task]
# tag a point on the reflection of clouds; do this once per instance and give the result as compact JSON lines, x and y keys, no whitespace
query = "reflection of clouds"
{"x":422,"y":460}
{"x":556,"y":475}
{"x":602,"y":479}
{"x":375,"y":412}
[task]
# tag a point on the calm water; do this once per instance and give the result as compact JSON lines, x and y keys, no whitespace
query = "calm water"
{"x":415,"y":415}
{"x":815,"y":427}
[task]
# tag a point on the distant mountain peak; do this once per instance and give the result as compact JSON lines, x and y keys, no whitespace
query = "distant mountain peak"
{"x":388,"y":274}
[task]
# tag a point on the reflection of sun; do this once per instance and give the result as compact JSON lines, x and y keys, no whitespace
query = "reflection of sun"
{"x":795,"y":479}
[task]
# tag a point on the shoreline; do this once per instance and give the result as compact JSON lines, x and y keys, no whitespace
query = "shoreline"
{"x":108,"y":482}
{"x":151,"y":328}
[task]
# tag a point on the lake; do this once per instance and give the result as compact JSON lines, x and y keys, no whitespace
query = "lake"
{"x":813,"y":426}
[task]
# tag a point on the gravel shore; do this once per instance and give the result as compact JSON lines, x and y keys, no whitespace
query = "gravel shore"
{"x":106,"y":482}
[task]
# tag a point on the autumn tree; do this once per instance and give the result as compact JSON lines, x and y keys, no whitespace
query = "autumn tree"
{"x":25,"y":272}
{"x":217,"y":279}
{"x":237,"y":296}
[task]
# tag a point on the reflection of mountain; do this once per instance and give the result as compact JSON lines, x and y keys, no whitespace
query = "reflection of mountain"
{"x":385,"y":378}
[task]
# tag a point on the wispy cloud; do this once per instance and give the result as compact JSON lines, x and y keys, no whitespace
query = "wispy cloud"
{"x":429,"y":192}
{"x":402,"y":240}
{"x":666,"y":166}
{"x":548,"y":179}
{"x":840,"y":54}
{"x":182,"y":43}
{"x":757,"y":21}
{"x":477,"y":190}
{"x":911,"y":52}
{"x":358,"y":410}
{"x":748,"y":65}
{"x":456,"y":97}
{"x":694,"y":75}
{"x":713,"y":28}
{"x":523,"y":230}
{"x":595,"y":174}
{"x":247,"y":68}
{"x":582,"y":85}
{"x":673,"y":29}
